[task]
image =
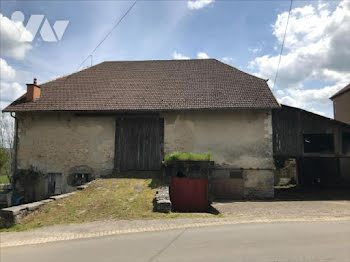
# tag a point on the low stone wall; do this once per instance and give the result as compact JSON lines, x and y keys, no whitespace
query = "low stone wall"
{"x":162,"y":201}
{"x":13,"y":215}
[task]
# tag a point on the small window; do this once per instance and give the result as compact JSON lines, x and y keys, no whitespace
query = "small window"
{"x":236,"y":174}
{"x":319,"y":143}
{"x":80,"y":178}
{"x":346,"y":143}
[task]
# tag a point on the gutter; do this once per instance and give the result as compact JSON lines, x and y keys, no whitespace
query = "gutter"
{"x":15,"y":147}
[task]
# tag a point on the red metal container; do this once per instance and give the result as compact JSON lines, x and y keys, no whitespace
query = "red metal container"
{"x":189,"y":194}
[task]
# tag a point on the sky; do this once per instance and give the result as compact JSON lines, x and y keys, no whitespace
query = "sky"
{"x":248,"y":35}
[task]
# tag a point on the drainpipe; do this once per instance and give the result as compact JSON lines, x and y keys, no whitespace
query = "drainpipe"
{"x":14,"y":154}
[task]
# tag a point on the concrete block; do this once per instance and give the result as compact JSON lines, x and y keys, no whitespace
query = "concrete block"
{"x":162,"y":201}
{"x":163,"y":206}
{"x":33,"y":206}
{"x":45,"y":201}
{"x":14,"y":209}
{"x":62,"y":196}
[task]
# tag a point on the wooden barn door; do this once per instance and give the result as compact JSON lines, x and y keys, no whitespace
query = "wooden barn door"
{"x":140,"y":143}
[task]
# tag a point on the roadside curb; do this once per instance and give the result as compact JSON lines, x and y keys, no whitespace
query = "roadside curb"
{"x":71,"y":236}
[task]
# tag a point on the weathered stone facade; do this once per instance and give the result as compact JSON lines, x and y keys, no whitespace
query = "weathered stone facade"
{"x":64,"y":143}
{"x":238,"y":140}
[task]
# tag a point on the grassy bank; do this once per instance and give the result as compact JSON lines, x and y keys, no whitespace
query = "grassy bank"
{"x":104,"y":199}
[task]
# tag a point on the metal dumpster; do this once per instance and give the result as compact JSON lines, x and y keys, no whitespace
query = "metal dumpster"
{"x":189,"y":194}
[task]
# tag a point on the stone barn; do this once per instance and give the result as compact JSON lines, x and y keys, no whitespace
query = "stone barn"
{"x":125,"y":116}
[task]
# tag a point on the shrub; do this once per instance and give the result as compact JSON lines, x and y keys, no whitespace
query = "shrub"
{"x":28,"y":177}
{"x":187,"y":156}
{"x":4,"y":157}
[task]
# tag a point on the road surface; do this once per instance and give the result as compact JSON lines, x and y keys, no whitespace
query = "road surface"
{"x":292,"y":241}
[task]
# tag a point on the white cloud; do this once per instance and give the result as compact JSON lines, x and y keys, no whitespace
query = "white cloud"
{"x":228,"y":60}
{"x":317,"y":40}
{"x":12,"y":38}
{"x":198,"y":4}
{"x":317,"y":47}
{"x":10,"y":91}
{"x":310,"y":98}
{"x":255,"y":50}
{"x":202,"y":55}
{"x":179,"y":56}
{"x":6,"y":71}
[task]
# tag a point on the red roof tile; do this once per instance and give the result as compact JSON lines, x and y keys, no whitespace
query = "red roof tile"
{"x":152,"y":86}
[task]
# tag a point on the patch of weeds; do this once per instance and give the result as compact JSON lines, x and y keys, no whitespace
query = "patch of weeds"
{"x":176,"y":156}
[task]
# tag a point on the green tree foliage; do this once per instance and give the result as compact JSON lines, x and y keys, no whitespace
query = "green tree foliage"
{"x":4,"y":158}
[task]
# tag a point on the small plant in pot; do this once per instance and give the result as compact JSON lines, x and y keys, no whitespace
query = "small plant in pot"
{"x":182,"y":164}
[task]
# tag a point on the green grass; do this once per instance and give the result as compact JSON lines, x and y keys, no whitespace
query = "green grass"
{"x":104,"y":199}
{"x":4,"y":179}
{"x":188,"y":156}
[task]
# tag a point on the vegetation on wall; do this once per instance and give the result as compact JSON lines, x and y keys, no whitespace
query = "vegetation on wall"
{"x":180,"y":156}
{"x":28,"y":177}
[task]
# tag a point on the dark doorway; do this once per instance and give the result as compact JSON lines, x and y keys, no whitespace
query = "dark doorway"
{"x":54,"y":181}
{"x":140,"y":143}
{"x":319,"y":143}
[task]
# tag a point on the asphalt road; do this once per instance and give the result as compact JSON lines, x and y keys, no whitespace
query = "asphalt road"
{"x":307,"y":241}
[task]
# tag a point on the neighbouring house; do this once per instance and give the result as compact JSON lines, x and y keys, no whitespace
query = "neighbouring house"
{"x":341,"y":104}
{"x":319,"y":146}
{"x":122,"y":116}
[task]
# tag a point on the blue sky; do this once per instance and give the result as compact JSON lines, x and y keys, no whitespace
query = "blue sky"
{"x":246,"y":34}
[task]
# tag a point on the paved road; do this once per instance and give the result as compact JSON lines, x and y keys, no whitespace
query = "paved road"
{"x":292,"y":241}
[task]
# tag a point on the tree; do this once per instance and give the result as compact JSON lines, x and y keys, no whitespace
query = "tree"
{"x":4,"y":158}
{"x":6,"y":131}
{"x":6,"y":143}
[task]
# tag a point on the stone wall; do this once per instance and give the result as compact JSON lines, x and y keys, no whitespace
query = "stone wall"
{"x":64,"y":143}
{"x":237,"y":139}
{"x":250,"y":184}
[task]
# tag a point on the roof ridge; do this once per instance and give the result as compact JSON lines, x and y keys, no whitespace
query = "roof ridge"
{"x":158,"y":60}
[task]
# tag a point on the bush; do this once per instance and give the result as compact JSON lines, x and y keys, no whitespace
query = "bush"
{"x":28,"y":177}
{"x":187,"y":157}
{"x":4,"y":157}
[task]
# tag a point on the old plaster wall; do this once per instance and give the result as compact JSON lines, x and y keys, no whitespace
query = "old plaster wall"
{"x":238,"y":140}
{"x":342,"y":107}
{"x":65,"y":143}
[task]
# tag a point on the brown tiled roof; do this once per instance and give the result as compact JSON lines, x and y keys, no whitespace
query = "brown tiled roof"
{"x":152,"y":86}
{"x":341,"y":91}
